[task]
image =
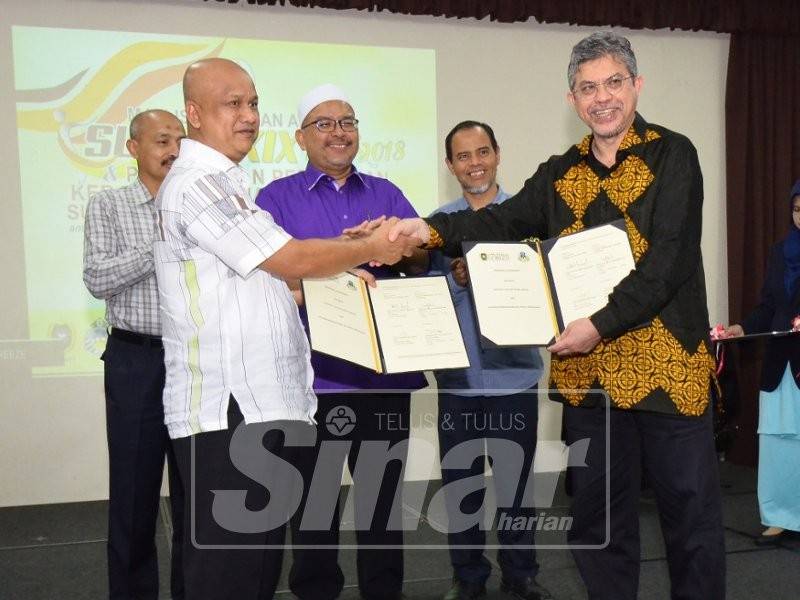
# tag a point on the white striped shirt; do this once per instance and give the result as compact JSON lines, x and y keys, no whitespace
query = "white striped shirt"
{"x":229,"y":328}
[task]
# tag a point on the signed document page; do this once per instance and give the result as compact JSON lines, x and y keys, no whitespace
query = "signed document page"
{"x":586,"y":266}
{"x":512,"y":299}
{"x":417,"y":325}
{"x":339,"y":319}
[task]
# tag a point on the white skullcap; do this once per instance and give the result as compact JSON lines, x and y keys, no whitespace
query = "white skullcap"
{"x":317,"y":96}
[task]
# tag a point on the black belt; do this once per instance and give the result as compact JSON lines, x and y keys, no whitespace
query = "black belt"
{"x":141,"y":339}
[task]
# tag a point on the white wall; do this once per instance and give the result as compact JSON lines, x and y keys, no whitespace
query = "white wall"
{"x":52,"y":436}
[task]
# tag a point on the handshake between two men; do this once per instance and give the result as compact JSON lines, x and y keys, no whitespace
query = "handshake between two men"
{"x":390,"y":236}
{"x":380,"y":241}
{"x":398,"y":233}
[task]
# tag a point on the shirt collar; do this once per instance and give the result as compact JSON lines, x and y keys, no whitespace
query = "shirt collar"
{"x":199,"y":152}
{"x":314,"y":176}
{"x":141,"y":195}
{"x":635,"y":136}
{"x":194,"y":151}
{"x":498,"y":197}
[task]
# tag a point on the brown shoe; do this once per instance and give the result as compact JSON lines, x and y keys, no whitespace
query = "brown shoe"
{"x":465,"y":590}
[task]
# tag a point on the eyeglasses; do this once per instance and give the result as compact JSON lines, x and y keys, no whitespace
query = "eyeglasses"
{"x":613,"y":84}
{"x":329,"y":125}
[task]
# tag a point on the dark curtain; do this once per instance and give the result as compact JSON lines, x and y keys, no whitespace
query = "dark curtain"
{"x":727,"y":16}
{"x":762,"y":124}
{"x":762,"y":130}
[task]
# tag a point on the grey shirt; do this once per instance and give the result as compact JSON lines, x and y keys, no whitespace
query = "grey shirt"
{"x":118,"y":257}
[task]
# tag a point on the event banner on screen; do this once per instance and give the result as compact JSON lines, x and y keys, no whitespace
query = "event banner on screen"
{"x":76,"y":91}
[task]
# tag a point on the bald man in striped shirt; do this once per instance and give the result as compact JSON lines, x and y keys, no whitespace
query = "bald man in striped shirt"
{"x":239,"y":379}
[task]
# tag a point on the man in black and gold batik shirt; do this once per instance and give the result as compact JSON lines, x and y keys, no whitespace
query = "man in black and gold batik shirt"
{"x":655,"y":184}
{"x":657,"y":376}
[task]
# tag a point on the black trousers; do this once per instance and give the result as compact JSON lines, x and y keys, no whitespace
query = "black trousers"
{"x":137,"y":444}
{"x":491,"y":420}
{"x":378,"y":418}
{"x":680,"y":463}
{"x":240,"y":491}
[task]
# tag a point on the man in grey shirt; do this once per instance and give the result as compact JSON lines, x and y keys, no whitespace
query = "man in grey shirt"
{"x":493,"y":402}
{"x":118,"y":267}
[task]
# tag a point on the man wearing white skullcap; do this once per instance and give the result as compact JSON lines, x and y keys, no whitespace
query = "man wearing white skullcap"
{"x":327,"y":197}
{"x":323,"y":93}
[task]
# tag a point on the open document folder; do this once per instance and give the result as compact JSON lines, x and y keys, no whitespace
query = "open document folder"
{"x":525,"y":293}
{"x":403,"y":324}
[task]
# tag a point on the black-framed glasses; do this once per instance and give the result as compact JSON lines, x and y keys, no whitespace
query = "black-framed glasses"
{"x":329,"y":125}
{"x":588,"y":89}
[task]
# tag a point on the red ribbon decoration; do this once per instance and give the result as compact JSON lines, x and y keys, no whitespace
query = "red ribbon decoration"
{"x":717,"y":333}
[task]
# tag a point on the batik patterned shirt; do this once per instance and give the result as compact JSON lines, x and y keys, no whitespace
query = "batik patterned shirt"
{"x":656,"y":186}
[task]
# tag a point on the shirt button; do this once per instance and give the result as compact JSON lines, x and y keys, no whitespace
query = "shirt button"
{"x":344,"y":217}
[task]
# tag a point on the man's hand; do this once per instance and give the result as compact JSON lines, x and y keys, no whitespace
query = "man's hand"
{"x":459,"y":269}
{"x":388,"y":251}
{"x":416,"y":228}
{"x":363,"y":229}
{"x":732,"y":331}
{"x":363,"y":274}
{"x":579,"y":337}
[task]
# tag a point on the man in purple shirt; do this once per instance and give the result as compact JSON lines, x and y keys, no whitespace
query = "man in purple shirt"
{"x":329,"y":196}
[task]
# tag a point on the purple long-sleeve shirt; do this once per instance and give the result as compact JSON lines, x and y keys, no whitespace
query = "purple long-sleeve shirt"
{"x":308,"y":205}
